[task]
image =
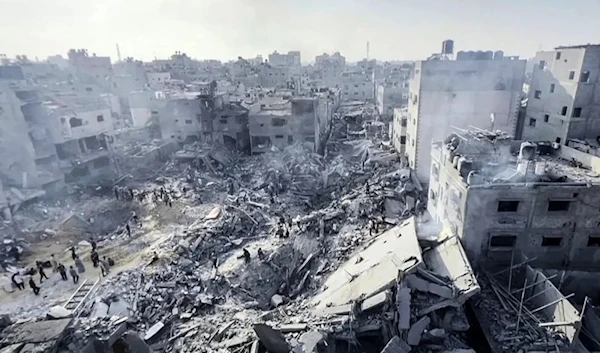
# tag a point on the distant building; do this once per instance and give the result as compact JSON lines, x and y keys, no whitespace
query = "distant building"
{"x":501,"y":195}
{"x":158,"y":80}
{"x":357,"y":86}
{"x":563,"y":102}
{"x":83,"y":137}
{"x":88,"y":68}
{"x":290,"y":59}
{"x":389,"y":97}
{"x":330,"y":68}
{"x":278,"y":122}
{"x":203,"y":116}
{"x":398,"y":130}
{"x":459,"y":93}
{"x":274,"y":76}
{"x":28,"y":159}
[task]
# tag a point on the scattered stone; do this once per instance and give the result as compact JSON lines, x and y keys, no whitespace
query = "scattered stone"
{"x":153,"y":330}
{"x":276,"y":300}
{"x":416,"y":331}
{"x":272,"y":339}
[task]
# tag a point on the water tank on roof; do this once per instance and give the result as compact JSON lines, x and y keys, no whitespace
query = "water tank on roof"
{"x":461,"y":55}
{"x":471,"y":55}
{"x":448,"y":46}
{"x":488,"y":55}
{"x":498,"y":55}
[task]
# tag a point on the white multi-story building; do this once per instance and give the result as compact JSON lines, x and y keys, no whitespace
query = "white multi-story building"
{"x":158,"y":80}
{"x":291,"y":59}
{"x":564,"y":99}
{"x":459,"y":93}
{"x":398,"y":130}
{"x":357,"y":86}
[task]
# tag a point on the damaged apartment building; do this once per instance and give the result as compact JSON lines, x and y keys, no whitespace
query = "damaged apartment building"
{"x":82,"y":133}
{"x":477,"y":89}
{"x":186,"y":117}
{"x":28,"y":166}
{"x":500,"y":195}
{"x":277,"y":122}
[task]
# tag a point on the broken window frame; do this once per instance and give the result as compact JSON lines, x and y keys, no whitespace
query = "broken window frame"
{"x":554,"y":203}
{"x":501,"y":245}
{"x":502,"y":206}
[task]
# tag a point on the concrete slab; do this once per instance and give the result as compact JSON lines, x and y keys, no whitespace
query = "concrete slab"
{"x":272,"y":339}
{"x":449,"y":260}
{"x":35,"y":332}
{"x":403,"y":307}
{"x":416,"y":331}
{"x":395,"y":250}
{"x":375,"y":301}
{"x":396,"y":345}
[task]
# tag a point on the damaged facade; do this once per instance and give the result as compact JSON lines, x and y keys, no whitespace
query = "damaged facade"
{"x":459,"y":93}
{"x":535,"y":197}
{"x":283,"y":122}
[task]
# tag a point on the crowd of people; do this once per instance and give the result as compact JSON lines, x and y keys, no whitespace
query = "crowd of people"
{"x":78,"y":267}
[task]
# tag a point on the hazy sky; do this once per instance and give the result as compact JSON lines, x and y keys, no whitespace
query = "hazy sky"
{"x":224,"y":29}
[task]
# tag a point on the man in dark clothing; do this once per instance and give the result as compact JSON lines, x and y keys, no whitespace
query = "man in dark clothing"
{"x":131,"y":195}
{"x":215,"y":260}
{"x":261,"y":254}
{"x":116,"y":191}
{"x":73,"y":254}
{"x":74,"y":274}
{"x":14,"y":251}
{"x":63,"y":272}
{"x":128,"y":228}
{"x":36,"y":289}
{"x":40,"y":267}
{"x":94,"y":245}
{"x":19,"y":283}
{"x":95,"y":257}
{"x":246,"y":256}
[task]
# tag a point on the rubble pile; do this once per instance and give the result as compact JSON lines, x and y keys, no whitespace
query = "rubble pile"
{"x":512,"y":325}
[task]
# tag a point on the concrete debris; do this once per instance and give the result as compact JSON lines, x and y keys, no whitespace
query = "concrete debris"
{"x":273,"y":340}
{"x":153,"y":330}
{"x":285,"y":251}
{"x":311,"y":339}
{"x":396,"y":345}
{"x":416,"y":331}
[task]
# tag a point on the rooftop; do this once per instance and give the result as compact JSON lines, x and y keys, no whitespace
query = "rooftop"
{"x":581,"y":46}
{"x":484,"y":157}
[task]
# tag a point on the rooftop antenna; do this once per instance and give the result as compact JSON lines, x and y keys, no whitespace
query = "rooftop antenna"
{"x":118,"y":53}
{"x":367,"y":50}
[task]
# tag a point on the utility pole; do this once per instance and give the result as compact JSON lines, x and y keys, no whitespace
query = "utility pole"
{"x":118,"y":53}
{"x":367,"y":50}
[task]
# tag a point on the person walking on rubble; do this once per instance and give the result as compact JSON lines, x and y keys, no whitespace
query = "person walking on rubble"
{"x":215,"y":261}
{"x":95,"y":258}
{"x":116,"y":191}
{"x":34,"y":287}
{"x":73,"y":254}
{"x":73,"y":274}
{"x":261,"y":254}
{"x":18,"y":281}
{"x":54,"y":263}
{"x":93,"y":243}
{"x":247,"y":257}
{"x":14,"y":251}
{"x":79,"y":265}
{"x":104,"y":267}
{"x":128,"y":229}
{"x":40,"y":267}
{"x":63,"y":272}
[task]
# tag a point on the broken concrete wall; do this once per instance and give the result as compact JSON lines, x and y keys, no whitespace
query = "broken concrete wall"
{"x":545,"y":293}
{"x":17,"y":153}
{"x":179,"y":120}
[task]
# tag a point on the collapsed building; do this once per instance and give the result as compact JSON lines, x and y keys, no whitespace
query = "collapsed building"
{"x":283,"y":122}
{"x":536,"y":197}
